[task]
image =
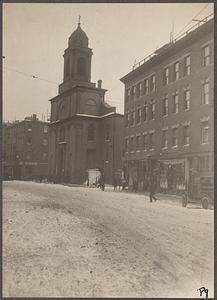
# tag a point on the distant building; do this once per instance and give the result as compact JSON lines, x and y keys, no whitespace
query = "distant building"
{"x":169,"y":108}
{"x":25,"y":145}
{"x":85,"y":132}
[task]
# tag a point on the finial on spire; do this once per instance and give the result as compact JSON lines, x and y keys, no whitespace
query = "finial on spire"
{"x":79,"y":20}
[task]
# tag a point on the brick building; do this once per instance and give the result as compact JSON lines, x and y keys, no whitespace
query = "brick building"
{"x":169,"y":108}
{"x":25,"y":145}
{"x":85,"y":132}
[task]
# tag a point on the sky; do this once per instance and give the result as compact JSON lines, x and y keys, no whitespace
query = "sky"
{"x":36,"y":35}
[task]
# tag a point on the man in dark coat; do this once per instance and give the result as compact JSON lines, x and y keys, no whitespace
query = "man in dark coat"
{"x":152,"y":185}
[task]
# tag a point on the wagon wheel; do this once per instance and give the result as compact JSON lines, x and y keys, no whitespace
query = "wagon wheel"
{"x":205,"y":202}
{"x":184,"y":200}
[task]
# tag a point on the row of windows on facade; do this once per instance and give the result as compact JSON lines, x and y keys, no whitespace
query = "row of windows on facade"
{"x":146,"y":140}
{"x":44,"y":156}
{"x":91,"y":132}
{"x":148,"y":111}
{"x":45,"y":128}
{"x":170,"y":74}
{"x":44,"y":141}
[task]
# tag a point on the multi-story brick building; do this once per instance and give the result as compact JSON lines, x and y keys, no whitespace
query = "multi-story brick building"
{"x":169,"y":111}
{"x":85,"y":132}
{"x":25,"y":149}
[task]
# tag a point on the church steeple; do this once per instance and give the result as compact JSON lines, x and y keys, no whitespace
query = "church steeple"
{"x":77,"y":57}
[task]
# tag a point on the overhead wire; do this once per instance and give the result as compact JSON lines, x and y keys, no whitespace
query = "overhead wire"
{"x":192,"y":18}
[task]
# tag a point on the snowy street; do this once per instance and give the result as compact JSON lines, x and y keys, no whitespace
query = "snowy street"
{"x":61,"y":241}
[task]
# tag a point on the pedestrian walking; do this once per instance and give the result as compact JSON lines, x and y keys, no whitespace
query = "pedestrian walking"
{"x":153,"y":185}
{"x":102,"y":182}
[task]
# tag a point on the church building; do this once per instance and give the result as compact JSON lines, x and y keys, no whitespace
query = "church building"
{"x":85,"y":132}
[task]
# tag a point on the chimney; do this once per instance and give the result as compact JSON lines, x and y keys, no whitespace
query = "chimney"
{"x":34,"y":117}
{"x":99,"y":84}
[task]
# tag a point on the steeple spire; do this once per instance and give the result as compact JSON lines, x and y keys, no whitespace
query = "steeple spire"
{"x":79,"y":20}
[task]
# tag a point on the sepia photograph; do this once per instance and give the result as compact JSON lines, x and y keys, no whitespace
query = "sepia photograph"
{"x":108,"y":150}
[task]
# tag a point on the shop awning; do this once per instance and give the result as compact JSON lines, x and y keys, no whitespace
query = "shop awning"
{"x":172,"y":161}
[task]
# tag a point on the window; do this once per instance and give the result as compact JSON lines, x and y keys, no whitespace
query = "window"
{"x":91,"y":132}
{"x":29,"y":141}
{"x":205,"y":56}
{"x":45,"y":129}
{"x":151,"y":140}
{"x":204,"y":164}
{"x":106,"y":155}
{"x":145,"y":142}
{"x":44,"y":142}
{"x":139,"y":115}
{"x":44,"y":156}
{"x":146,"y":86}
{"x":165,"y":106}
{"x":164,"y":138}
{"x":131,"y":143}
{"x":132,"y":118}
{"x":29,"y":127}
{"x":176,"y":103}
{"x":187,"y":99}
{"x":152,"y":83}
{"x":205,"y":133}
{"x":176,"y":71}
{"x":139,"y":89}
{"x":138,"y":141}
{"x":107,"y":133}
{"x":67,"y":67}
{"x":127,"y":119}
{"x":128,"y":95}
{"x":81,"y":66}
{"x":152,"y":111}
{"x":205,"y":93}
{"x":133,"y":91}
{"x":175,"y":137}
{"x":187,"y":65}
{"x":166,"y":76}
{"x":126,"y":145}
{"x":186,"y":137}
{"x":62,"y":134}
{"x":145,"y":112}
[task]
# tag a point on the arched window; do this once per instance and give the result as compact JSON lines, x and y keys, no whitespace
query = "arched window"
{"x":67,"y":67}
{"x":91,"y":132}
{"x":81,"y":66}
{"x":62,"y":134}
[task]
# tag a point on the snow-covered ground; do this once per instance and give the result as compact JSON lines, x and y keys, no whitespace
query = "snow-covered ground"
{"x":61,"y":241}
